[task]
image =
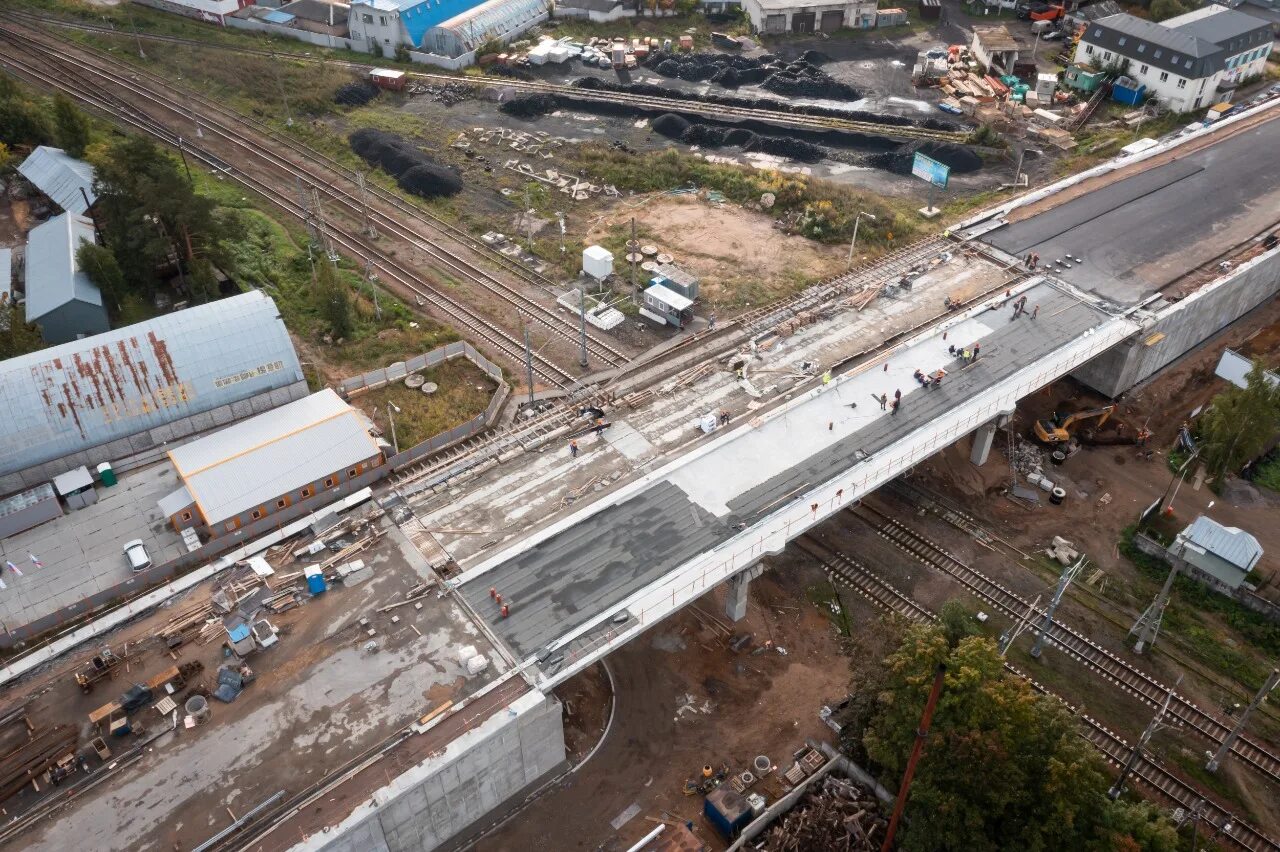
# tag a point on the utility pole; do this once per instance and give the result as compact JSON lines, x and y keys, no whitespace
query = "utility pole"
{"x":1157,"y":723}
{"x":182,"y":153}
{"x":528,"y":220}
{"x":1147,"y":627}
{"x":304,"y":200}
{"x":275,"y":66}
{"x":326,"y":244}
{"x":1015,"y":630}
{"x":137,"y":40}
{"x":1068,"y":574}
{"x":1196,"y":817}
{"x":395,"y":444}
{"x":921,"y":733}
{"x":370,"y":277}
{"x":528,"y":356}
{"x":1225,"y":748}
{"x":633,"y":249}
{"x":370,"y":231}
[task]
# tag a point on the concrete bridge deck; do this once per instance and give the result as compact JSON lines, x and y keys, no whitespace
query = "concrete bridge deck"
{"x":602,"y":574}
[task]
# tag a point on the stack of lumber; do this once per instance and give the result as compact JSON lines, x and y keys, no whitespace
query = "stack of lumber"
{"x":834,"y":815}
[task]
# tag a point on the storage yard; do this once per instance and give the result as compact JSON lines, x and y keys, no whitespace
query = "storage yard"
{"x":777,"y":340}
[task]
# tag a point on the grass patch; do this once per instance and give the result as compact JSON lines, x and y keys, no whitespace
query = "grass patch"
{"x":465,"y":391}
{"x":1267,"y":474}
{"x":826,"y":598}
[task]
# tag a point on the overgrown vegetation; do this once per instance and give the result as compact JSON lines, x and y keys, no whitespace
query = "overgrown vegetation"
{"x":1239,"y":423}
{"x":1003,"y":768}
{"x":825,"y":211}
{"x":463,"y":391}
{"x":1191,"y":597}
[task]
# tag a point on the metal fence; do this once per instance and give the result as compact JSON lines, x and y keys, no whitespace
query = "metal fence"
{"x":375,"y":379}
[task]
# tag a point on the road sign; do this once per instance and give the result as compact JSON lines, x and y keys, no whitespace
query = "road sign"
{"x":927,"y":168}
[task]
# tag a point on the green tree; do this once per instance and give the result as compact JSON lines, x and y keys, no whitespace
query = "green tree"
{"x":17,"y":336}
{"x":1162,"y":10}
{"x":100,"y":265}
{"x":22,"y":122}
{"x":1042,"y":786}
{"x":333,"y":299}
{"x":6,"y":158}
{"x":71,"y":124}
{"x":151,"y":216}
{"x":1240,"y":423}
{"x":956,"y":622}
{"x":202,"y":282}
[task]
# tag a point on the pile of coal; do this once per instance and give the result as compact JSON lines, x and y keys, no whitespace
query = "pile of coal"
{"x":962,"y":160}
{"x":530,"y":106}
{"x":413,"y":170}
{"x":357,"y":93}
{"x":714,"y":136}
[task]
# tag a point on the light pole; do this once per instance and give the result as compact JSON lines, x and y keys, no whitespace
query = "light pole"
{"x":853,"y":242}
{"x":395,"y":445}
{"x":1035,"y":48}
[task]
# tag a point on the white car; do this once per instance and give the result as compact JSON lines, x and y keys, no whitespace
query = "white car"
{"x":136,"y":552}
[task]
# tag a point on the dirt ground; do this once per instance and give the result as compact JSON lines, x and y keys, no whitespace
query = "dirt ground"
{"x":738,"y":254}
{"x":588,"y":702}
{"x":684,"y":699}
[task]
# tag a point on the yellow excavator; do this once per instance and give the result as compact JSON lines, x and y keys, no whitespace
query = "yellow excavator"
{"x":1053,"y":432}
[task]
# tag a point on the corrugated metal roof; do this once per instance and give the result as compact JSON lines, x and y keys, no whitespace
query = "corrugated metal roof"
{"x":70,"y":397}
{"x":1230,"y":543}
{"x":61,"y":177}
{"x":52,"y":275}
{"x":474,"y":26}
{"x":256,"y":460}
{"x":276,"y":16}
{"x":172,"y":503}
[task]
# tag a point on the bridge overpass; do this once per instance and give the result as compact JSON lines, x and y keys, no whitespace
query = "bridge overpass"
{"x":595,"y":578}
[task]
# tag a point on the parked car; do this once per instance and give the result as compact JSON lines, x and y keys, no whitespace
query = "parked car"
{"x":136,"y":552}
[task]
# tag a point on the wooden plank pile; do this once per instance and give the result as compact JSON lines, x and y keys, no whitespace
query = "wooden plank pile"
{"x":834,"y":815}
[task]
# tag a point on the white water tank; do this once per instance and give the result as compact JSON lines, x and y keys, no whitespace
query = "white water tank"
{"x":597,"y":261}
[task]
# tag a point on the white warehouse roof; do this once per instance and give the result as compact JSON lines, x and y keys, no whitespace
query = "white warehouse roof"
{"x":60,"y":176}
{"x":254,"y":461}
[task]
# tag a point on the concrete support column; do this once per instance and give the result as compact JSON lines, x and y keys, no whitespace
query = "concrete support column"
{"x":735,"y":605}
{"x":985,"y":437}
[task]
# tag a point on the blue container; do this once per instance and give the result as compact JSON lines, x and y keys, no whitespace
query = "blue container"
{"x":316,"y":584}
{"x":727,"y":811}
{"x":1126,"y":95}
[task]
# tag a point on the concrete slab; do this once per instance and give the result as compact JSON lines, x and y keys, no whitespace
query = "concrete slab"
{"x":83,"y":551}
{"x":1140,"y":234}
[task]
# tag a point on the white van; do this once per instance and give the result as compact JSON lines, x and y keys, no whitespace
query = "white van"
{"x":136,"y":552}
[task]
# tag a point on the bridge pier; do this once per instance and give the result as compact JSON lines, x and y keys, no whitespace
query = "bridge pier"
{"x":985,"y":437}
{"x":735,"y":605}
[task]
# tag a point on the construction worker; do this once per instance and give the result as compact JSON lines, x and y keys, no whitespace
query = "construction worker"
{"x":977,"y":347}
{"x":573,"y":449}
{"x":1035,"y":311}
{"x":896,"y":403}
{"x":897,"y":396}
{"x":884,"y":401}
{"x":826,"y":377}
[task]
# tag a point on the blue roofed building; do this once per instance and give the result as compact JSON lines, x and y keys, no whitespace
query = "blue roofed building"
{"x":380,"y":26}
{"x":127,"y":395}
{"x":60,"y":297}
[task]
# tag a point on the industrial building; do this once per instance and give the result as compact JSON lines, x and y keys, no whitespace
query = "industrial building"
{"x":60,"y":297}
{"x":1221,"y":556}
{"x":493,"y":20}
{"x":1186,"y":62}
{"x":264,"y":465}
{"x":803,"y":16}
{"x":122,"y":395}
{"x":214,"y":11}
{"x":67,"y":181}
{"x":995,"y":48}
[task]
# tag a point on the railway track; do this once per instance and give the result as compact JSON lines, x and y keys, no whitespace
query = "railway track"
{"x":786,"y":117}
{"x":329,"y":177}
{"x":848,"y":572}
{"x":344,"y":239}
{"x":1075,"y":645}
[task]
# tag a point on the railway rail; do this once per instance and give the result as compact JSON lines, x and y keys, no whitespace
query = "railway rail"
{"x":849,"y":572}
{"x":1073,"y":643}
{"x":783,"y":117}
{"x":326,"y":176}
{"x":77,"y":88}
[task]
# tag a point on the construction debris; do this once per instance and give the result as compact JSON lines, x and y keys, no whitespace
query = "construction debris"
{"x":835,"y":815}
